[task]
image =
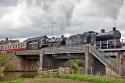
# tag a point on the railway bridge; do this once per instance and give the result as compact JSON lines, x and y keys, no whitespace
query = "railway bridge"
{"x":104,"y":61}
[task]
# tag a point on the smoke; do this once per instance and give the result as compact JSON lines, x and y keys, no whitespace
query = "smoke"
{"x":64,"y":13}
{"x":61,"y":13}
{"x":93,"y":14}
{"x":66,"y":16}
{"x":53,"y":12}
{"x":109,"y":8}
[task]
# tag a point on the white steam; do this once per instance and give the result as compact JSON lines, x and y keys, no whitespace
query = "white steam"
{"x":66,"y":16}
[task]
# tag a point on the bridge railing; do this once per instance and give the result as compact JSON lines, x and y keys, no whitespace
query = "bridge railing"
{"x":104,"y":59}
{"x":66,"y":49}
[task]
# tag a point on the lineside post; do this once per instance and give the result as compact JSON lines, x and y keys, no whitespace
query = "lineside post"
{"x":41,"y":61}
{"x":89,"y":60}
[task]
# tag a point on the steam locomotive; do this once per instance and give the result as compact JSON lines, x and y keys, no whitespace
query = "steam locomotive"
{"x":103,"y":40}
{"x":109,"y":39}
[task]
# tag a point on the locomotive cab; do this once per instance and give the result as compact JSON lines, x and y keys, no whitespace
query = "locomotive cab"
{"x":44,"y":43}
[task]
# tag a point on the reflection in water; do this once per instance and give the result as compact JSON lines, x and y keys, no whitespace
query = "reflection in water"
{"x":6,"y":76}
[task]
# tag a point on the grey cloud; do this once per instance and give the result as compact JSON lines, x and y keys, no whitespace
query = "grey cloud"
{"x":25,"y":18}
{"x":8,"y":2}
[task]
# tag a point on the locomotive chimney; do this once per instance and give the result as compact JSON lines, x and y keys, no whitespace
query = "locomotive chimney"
{"x":7,"y":39}
{"x":114,"y":28}
{"x":62,"y":36}
{"x":102,"y":30}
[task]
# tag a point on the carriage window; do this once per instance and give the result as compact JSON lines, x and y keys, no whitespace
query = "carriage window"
{"x":13,"y":46}
{"x":23,"y":45}
{"x":16,"y":45}
{"x":20,"y":45}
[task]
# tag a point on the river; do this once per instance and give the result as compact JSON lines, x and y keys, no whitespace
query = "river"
{"x":7,"y":76}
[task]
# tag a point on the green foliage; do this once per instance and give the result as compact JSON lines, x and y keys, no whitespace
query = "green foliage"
{"x":76,"y":64}
{"x":4,"y":57}
{"x":79,"y":63}
{"x":113,"y":60}
{"x":6,"y":62}
{"x":84,"y":78}
{"x":93,"y":79}
{"x":9,"y":65}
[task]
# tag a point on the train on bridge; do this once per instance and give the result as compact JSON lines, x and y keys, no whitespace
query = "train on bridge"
{"x":103,"y":39}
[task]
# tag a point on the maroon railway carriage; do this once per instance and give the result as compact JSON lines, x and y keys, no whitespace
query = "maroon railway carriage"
{"x":13,"y":47}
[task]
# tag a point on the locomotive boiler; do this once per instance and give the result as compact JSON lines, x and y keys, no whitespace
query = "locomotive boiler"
{"x":109,"y":39}
{"x":103,"y":36}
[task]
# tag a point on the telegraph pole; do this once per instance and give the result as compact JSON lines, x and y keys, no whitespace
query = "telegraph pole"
{"x":52,"y":28}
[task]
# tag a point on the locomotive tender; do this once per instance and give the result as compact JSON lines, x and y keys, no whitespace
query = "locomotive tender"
{"x":103,"y":39}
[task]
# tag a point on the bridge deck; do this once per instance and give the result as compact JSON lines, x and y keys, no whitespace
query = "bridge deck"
{"x":55,"y":50}
{"x":28,"y":52}
{"x":63,"y":50}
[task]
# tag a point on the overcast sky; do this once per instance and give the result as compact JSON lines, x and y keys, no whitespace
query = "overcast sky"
{"x":27,"y":18}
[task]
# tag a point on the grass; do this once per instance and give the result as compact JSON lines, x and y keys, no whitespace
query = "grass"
{"x":53,"y":80}
{"x":71,"y":78}
{"x":44,"y":80}
{"x":4,"y":56}
{"x":93,"y":79}
{"x":21,"y":80}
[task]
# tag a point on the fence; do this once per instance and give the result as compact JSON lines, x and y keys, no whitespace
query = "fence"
{"x":60,"y":71}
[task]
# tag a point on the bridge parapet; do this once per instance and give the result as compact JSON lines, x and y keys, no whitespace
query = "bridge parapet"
{"x":28,"y":52}
{"x":57,"y":50}
{"x":66,"y":49}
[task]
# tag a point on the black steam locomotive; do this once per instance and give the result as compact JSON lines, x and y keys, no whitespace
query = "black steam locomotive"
{"x":104,"y":39}
{"x":109,"y":39}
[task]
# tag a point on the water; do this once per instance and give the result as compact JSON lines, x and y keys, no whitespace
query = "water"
{"x":7,"y":76}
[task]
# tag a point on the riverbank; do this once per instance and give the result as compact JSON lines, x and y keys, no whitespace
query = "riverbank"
{"x":71,"y":78}
{"x":8,"y":76}
{"x":44,"y":80}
